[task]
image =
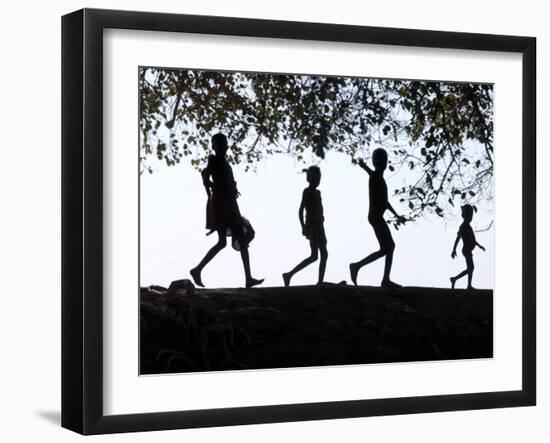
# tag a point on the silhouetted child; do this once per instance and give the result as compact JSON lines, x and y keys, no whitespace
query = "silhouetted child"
{"x":378,"y":203}
{"x":223,"y":215}
{"x":466,"y":234}
{"x":313,"y":226}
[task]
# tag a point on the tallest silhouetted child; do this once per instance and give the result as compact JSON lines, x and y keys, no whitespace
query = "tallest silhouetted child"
{"x":378,"y":204}
{"x":223,"y":215}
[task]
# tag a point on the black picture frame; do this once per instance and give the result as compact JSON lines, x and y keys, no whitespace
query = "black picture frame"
{"x":82,"y":219}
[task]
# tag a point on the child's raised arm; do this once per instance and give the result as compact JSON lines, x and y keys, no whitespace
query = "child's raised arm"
{"x":364,"y":166}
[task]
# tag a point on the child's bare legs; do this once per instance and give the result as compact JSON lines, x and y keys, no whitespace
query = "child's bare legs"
{"x":222,"y":243}
{"x":387,"y":267}
{"x":250,"y":281}
{"x":323,"y":263}
{"x":196,"y":272}
{"x":306,"y":262}
{"x":469,"y":271}
{"x":387,"y":246}
{"x":470,"y":266}
{"x":354,"y":267}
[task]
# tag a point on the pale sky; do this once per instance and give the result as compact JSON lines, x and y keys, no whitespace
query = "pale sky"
{"x":173,"y":212}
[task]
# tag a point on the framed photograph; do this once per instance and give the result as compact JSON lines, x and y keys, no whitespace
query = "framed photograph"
{"x":269,"y":221}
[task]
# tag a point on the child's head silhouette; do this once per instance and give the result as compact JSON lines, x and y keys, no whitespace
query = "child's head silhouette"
{"x":219,"y":144}
{"x":313,"y":175}
{"x":467,"y":213}
{"x":380,"y":159}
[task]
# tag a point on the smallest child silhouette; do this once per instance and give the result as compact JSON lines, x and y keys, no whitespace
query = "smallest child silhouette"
{"x":313,"y":226}
{"x":466,"y":234}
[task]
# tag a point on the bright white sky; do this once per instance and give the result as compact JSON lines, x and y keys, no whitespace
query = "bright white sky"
{"x":172,"y":236}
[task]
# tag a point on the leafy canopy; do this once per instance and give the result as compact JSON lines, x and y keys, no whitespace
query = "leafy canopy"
{"x":440,"y":133}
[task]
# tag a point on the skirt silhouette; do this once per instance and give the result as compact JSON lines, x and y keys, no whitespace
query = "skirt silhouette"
{"x":222,"y":213}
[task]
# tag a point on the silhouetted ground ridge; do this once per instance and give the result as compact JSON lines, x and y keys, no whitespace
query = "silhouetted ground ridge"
{"x":184,"y":329}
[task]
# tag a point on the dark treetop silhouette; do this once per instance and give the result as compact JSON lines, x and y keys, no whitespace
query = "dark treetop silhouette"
{"x":378,"y":203}
{"x":466,"y":234}
{"x":440,"y":131}
{"x":313,"y":227}
{"x":222,"y":214}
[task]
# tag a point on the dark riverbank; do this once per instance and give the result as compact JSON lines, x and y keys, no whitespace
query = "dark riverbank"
{"x":188,"y":329}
